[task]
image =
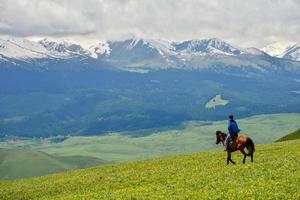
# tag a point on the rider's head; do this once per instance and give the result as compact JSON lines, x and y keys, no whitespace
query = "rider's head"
{"x":230,"y":117}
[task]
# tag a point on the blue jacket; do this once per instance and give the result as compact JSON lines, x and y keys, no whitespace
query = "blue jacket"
{"x":233,"y":128}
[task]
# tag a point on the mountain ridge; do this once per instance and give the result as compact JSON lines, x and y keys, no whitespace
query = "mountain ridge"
{"x":144,"y":54}
{"x":208,"y":47}
{"x":289,"y":51}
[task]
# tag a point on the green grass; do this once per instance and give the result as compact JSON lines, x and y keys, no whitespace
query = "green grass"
{"x":194,"y":137}
{"x":292,"y":136}
{"x":275,"y":174}
{"x":23,"y":163}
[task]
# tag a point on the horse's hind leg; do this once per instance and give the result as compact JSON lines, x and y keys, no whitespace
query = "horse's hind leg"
{"x":244,"y":159}
{"x":245,"y":155}
{"x":252,"y":157}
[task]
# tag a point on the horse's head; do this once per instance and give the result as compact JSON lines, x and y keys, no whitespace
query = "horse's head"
{"x":219,"y":137}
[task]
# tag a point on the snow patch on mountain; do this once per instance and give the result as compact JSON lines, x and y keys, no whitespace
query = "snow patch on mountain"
{"x":100,"y":49}
{"x":207,"y":47}
{"x":16,"y":48}
{"x":292,"y":52}
{"x":162,"y":46}
{"x":62,"y":49}
{"x":26,"y":50}
{"x":276,"y":49}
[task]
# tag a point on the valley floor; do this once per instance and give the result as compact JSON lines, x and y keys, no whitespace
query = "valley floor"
{"x":275,"y":174}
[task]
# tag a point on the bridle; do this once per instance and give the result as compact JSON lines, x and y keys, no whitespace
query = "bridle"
{"x":220,"y":137}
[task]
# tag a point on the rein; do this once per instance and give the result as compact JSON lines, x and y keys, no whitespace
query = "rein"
{"x":224,"y":135}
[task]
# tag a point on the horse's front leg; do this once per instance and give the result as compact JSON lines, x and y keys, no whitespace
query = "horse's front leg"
{"x":229,"y":158}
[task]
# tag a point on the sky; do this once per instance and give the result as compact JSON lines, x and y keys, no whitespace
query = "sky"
{"x":244,"y":23}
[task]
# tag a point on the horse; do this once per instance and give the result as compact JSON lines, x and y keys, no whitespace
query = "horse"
{"x":239,"y":143}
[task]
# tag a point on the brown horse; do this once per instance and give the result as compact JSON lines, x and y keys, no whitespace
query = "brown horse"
{"x":239,"y":143}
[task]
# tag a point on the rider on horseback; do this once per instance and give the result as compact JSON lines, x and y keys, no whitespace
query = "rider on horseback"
{"x":233,"y":130}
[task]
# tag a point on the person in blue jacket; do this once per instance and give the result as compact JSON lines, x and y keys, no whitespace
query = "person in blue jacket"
{"x":233,"y":131}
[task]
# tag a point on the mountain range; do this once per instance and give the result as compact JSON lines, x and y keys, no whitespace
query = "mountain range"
{"x":143,"y":53}
{"x":50,"y":88}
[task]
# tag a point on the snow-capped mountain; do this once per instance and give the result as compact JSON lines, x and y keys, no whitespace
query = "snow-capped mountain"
{"x":137,"y":53}
{"x":207,"y":47}
{"x":64,"y":49}
{"x":162,"y":46}
{"x":99,"y":50}
{"x":144,"y":48}
{"x":292,"y":52}
{"x":280,"y":50}
{"x":130,"y":46}
{"x":131,"y":49}
{"x":275,"y":49}
{"x":157,"y":54}
{"x":13,"y":48}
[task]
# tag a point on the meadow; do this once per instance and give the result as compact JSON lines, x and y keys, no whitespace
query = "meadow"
{"x":274,"y":174}
{"x":23,"y":163}
{"x":194,"y":136}
{"x":51,"y":156}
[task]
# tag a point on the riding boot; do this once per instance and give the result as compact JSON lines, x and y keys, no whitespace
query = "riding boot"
{"x":227,"y":147}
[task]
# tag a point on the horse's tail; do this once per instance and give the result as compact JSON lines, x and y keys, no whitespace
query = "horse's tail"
{"x":250,"y":146}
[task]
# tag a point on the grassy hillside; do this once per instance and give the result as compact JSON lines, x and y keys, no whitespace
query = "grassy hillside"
{"x":194,"y":136}
{"x":292,"y":136}
{"x":275,"y":174}
{"x":22,"y":163}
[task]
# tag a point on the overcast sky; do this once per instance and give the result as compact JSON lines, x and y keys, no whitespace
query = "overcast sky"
{"x":241,"y":22}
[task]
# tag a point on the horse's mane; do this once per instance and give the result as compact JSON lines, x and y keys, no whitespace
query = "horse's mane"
{"x":220,"y":132}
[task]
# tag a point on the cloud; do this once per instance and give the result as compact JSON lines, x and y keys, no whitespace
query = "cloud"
{"x":245,"y":23}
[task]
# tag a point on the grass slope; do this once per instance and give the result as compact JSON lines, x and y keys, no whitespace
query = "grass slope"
{"x":193,"y":137}
{"x":292,"y":136}
{"x":275,"y":174}
{"x":23,"y":163}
